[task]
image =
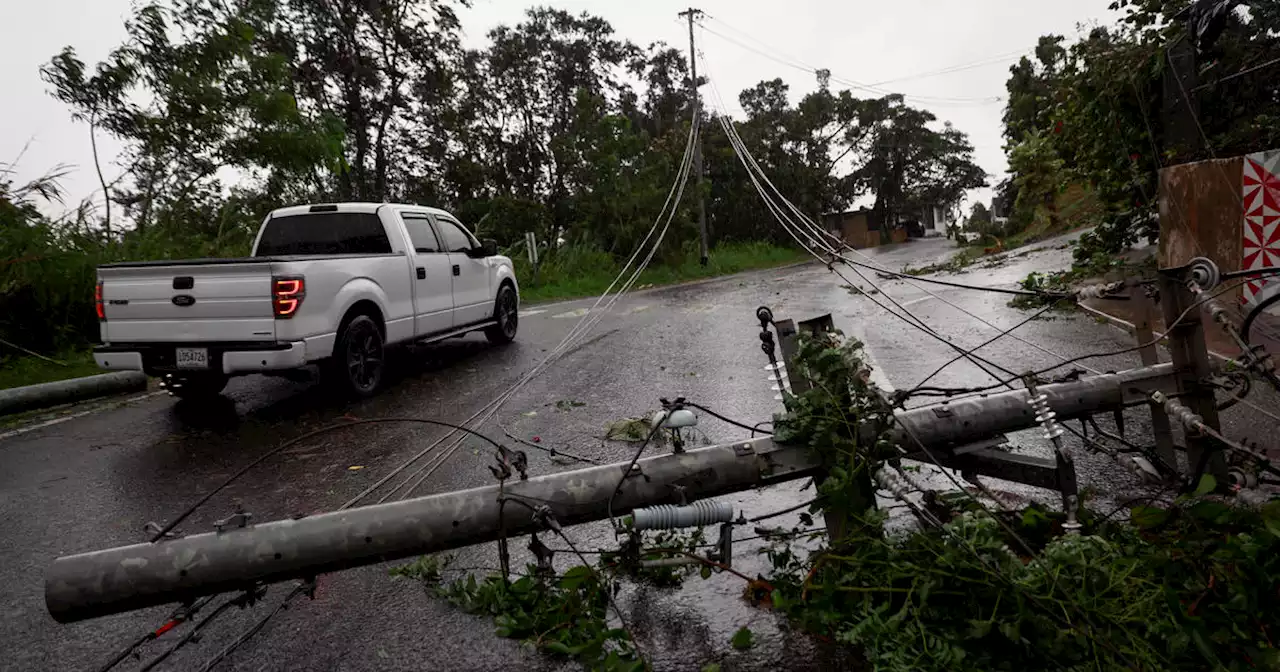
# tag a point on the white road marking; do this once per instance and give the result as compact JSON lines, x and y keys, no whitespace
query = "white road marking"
{"x":55,"y":421}
{"x":877,"y":372}
{"x":573,"y":313}
{"x":527,"y":313}
{"x":913,"y":302}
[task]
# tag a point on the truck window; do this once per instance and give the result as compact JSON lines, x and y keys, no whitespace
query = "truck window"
{"x":324,"y":233}
{"x":420,"y":232}
{"x":455,"y":239}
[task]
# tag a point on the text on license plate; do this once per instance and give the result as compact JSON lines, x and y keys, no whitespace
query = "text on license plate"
{"x":191,"y":358}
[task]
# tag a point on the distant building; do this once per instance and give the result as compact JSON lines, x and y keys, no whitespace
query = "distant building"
{"x":933,"y":220}
{"x":862,"y":228}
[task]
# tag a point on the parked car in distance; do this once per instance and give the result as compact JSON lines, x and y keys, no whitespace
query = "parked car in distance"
{"x":331,"y":284}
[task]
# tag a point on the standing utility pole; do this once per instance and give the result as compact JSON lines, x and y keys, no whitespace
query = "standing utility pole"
{"x":692,"y":14}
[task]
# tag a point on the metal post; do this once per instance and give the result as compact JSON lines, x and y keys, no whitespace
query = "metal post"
{"x":144,"y":575}
{"x":1160,"y":426}
{"x":1192,"y":366}
{"x":692,"y":14}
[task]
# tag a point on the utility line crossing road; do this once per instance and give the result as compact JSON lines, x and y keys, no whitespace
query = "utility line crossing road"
{"x":94,"y":481}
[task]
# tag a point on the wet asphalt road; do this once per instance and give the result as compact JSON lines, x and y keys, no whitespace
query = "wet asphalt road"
{"x":94,"y":481}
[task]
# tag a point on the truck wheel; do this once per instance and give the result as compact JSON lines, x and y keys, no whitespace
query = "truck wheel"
{"x":506,"y":310}
{"x":359,"y":358}
{"x":195,"y":385}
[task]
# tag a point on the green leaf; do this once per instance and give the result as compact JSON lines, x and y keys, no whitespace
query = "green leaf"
{"x":1207,"y":485}
{"x":562,"y":648}
{"x":1213,"y":512}
{"x":711,"y":667}
{"x":574,"y":578}
{"x":1271,"y":510}
{"x":705,"y":572}
{"x":742,"y":639}
{"x":1147,"y":517}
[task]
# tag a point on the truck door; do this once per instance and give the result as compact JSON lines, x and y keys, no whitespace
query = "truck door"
{"x":432,"y":281}
{"x":472,"y":301}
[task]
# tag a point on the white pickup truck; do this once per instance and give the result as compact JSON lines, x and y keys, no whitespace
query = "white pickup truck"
{"x":327,"y":284}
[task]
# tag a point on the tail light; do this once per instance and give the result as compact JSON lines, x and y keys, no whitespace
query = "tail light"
{"x":97,"y":303}
{"x":287,"y":295}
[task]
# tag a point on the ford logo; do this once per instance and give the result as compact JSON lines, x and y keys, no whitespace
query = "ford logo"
{"x":183,"y":300}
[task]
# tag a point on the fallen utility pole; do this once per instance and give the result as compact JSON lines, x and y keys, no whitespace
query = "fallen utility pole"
{"x":115,"y":580}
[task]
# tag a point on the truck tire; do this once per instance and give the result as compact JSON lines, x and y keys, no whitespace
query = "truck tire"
{"x":506,"y":310}
{"x":195,"y":385}
{"x":359,"y":358}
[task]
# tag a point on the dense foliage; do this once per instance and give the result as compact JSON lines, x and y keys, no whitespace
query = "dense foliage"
{"x":1104,"y":112}
{"x":557,"y":125}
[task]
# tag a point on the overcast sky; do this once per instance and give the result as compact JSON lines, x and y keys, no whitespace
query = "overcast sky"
{"x":861,"y":42}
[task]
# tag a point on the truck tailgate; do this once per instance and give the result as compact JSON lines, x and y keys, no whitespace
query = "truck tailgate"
{"x":211,"y":302}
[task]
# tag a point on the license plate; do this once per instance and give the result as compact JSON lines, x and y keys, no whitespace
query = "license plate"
{"x":191,"y":358}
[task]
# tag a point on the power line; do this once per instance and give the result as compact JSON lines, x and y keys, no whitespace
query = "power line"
{"x":816,"y":234}
{"x":984,"y":344}
{"x":958,"y":285}
{"x":816,"y":241}
{"x":805,"y":67}
{"x":949,"y":392}
{"x":990,"y":60}
{"x":749,"y":162}
{"x":1242,"y":73}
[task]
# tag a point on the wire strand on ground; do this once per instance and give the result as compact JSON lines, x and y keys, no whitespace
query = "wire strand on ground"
{"x":294,"y":441}
{"x":178,"y":617}
{"x":783,"y":512}
{"x":951,"y":392}
{"x":553,"y":452}
{"x":657,"y":426}
{"x":608,"y":595}
{"x":300,"y":589}
{"x":735,"y":423}
{"x":193,"y":632}
{"x":984,"y":344}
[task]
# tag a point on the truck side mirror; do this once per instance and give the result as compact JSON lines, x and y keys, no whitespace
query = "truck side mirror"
{"x":489,"y":247}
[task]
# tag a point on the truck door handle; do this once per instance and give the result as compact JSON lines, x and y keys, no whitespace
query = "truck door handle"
{"x":422,"y":273}
{"x":456,"y":270}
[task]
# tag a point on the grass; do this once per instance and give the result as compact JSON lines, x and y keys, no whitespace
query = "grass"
{"x":27,"y":370}
{"x":577,"y":272}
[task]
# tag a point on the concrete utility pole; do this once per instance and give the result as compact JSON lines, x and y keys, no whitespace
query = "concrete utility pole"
{"x":122,"y":579}
{"x":692,"y":14}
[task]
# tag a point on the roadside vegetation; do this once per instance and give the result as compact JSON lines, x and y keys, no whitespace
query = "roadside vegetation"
{"x":582,"y":272}
{"x":27,"y":369}
{"x":1178,"y":580}
{"x":1087,"y":116}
